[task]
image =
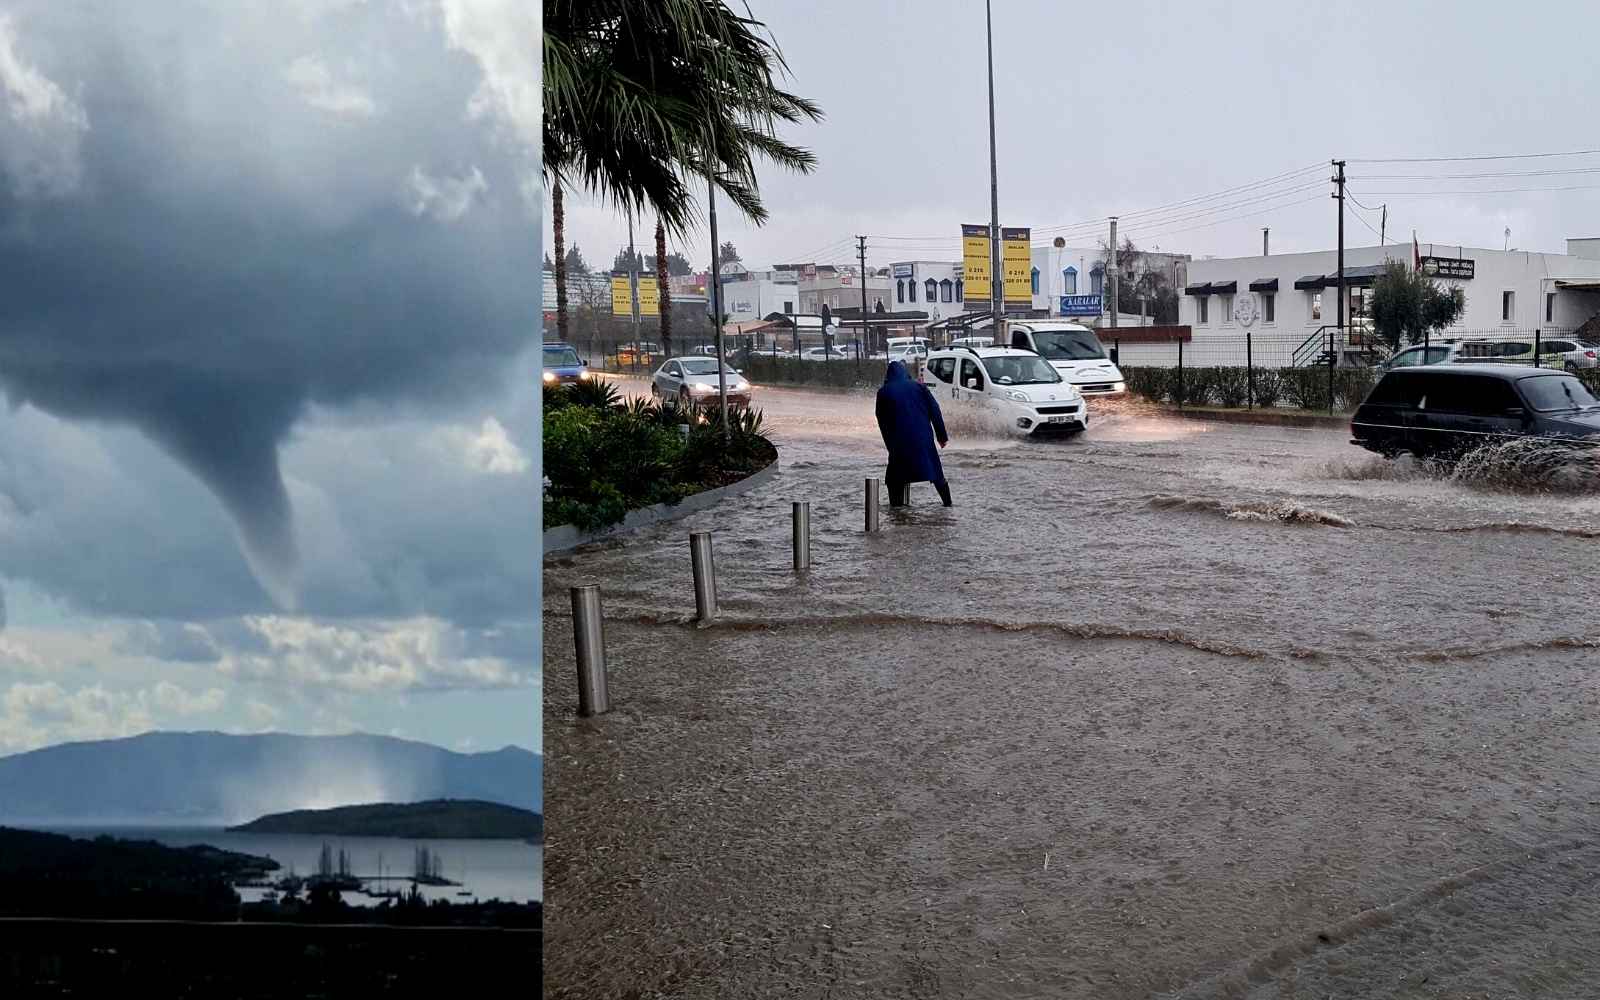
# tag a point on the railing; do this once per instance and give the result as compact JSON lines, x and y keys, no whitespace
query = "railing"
{"x":1313,"y":347}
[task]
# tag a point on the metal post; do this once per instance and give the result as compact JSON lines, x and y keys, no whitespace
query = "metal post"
{"x":1180,"y":371}
{"x":705,"y":576}
{"x":589,"y":636}
{"x":1331,"y":366}
{"x":1249,"y":359}
{"x":995,"y":276}
{"x":1536,"y":348}
{"x":872,"y":504}
{"x":802,"y":535}
{"x":1116,"y":305}
{"x":716,"y":303}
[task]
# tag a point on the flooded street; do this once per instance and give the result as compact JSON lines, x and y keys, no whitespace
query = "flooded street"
{"x":1174,"y":708}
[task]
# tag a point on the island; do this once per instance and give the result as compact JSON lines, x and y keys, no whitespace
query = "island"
{"x":436,"y":819}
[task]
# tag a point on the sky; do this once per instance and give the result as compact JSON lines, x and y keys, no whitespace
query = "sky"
{"x":1144,"y":106}
{"x":269,"y":460}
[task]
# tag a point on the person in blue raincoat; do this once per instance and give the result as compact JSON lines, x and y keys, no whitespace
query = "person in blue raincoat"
{"x":909,"y":419}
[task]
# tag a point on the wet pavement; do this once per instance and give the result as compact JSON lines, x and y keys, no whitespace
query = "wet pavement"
{"x":1171,"y":709}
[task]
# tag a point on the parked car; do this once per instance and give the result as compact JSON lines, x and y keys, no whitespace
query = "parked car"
{"x":1573,"y":355}
{"x":1411,"y":357}
{"x":693,"y":382}
{"x":1447,"y":410}
{"x":562,"y":366}
{"x":641,"y":353}
{"x":1019,"y":386}
{"x":825,"y":354}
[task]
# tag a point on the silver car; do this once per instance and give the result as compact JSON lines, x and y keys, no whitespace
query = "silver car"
{"x":693,"y":382}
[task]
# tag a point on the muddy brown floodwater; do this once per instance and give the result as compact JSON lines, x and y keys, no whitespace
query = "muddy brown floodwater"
{"x":1173,"y":709}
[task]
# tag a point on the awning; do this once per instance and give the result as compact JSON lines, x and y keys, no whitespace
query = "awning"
{"x":1204,"y":288}
{"x":1358,"y":277}
{"x":1264,"y":285}
{"x":1312,"y":281}
{"x":1224,"y":287}
{"x":1578,"y":284}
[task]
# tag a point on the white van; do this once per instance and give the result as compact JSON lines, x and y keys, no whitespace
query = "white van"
{"x":907,"y":349}
{"x":972,"y":342}
{"x":1019,"y":387}
{"x":1073,"y":350}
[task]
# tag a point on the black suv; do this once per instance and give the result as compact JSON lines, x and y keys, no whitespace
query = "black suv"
{"x":1446,"y":410}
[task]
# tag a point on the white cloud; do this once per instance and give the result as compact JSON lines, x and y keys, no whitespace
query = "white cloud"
{"x":320,"y":90}
{"x":37,"y":714}
{"x":174,"y":700}
{"x":42,"y":129}
{"x":261,"y":714}
{"x":488,"y":449}
{"x":502,"y":36}
{"x":419,"y":653}
{"x":445,"y":198}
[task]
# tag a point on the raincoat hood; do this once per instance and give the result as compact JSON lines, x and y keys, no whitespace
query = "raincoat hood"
{"x":896,"y":373}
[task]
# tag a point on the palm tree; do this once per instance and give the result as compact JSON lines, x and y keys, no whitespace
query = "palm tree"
{"x":642,"y":98}
{"x":558,"y":221}
{"x":664,"y":291}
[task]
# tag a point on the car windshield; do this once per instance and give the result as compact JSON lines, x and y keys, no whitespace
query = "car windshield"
{"x":1556,"y":392}
{"x":559,"y":357}
{"x":1025,"y":370}
{"x":1068,"y":345}
{"x":703,"y":366}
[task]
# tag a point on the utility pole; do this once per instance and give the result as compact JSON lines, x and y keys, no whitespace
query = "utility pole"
{"x":996,"y":289}
{"x":1338,"y":179}
{"x":633,"y":281}
{"x":716,"y":296}
{"x":861,"y":248}
{"x":1113,"y":275}
{"x":1383,"y":224}
{"x":1264,"y":232}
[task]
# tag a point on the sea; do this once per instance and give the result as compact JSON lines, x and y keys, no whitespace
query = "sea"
{"x":507,"y":870}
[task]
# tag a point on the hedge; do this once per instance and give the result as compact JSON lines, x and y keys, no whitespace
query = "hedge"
{"x":1304,"y":388}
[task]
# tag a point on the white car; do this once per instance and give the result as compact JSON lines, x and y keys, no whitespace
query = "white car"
{"x":825,"y":354}
{"x":1020,"y":387}
{"x":693,"y":383}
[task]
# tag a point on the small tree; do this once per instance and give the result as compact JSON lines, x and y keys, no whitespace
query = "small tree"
{"x":575,"y":262}
{"x":1407,"y":306}
{"x":730,"y":254}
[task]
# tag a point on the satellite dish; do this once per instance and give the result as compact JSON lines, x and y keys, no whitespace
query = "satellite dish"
{"x":1059,"y":242}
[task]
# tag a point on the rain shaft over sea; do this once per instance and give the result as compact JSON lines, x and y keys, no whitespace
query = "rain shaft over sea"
{"x":1170,"y":709}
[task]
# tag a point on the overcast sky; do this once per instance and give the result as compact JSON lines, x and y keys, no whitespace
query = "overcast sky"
{"x":265,"y":333}
{"x":1120,"y":108}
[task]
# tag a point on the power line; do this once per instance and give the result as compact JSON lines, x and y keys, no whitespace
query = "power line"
{"x":1187,"y":201}
{"x":1415,"y":194}
{"x":1477,"y":176}
{"x":1491,"y":156}
{"x":1149,"y":235}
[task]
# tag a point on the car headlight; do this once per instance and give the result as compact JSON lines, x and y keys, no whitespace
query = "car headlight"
{"x":586,"y":375}
{"x":699,"y":387}
{"x":549,"y":376}
{"x":1017,"y":395}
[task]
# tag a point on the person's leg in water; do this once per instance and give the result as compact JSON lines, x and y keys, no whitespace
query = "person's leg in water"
{"x":944,"y":491}
{"x":897,"y":492}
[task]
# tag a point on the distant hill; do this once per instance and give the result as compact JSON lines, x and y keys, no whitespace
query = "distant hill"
{"x":205,"y":779}
{"x":438,"y":819}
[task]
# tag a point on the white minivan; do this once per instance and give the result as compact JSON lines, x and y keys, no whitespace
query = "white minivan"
{"x":1020,"y":388}
{"x":1073,"y":350}
{"x":906,"y":349}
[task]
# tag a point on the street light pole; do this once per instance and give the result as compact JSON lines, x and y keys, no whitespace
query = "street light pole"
{"x":716,"y":298}
{"x":995,"y":277}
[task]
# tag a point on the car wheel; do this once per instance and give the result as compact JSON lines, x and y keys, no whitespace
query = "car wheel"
{"x":1572,"y":367}
{"x":683,"y":399}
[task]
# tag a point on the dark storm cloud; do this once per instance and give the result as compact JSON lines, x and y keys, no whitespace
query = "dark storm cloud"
{"x":226,"y":216}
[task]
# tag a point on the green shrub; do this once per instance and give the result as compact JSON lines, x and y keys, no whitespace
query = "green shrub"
{"x":1591,"y":378}
{"x":1150,"y":383}
{"x":1306,"y":388}
{"x":1268,"y":387}
{"x":1191,"y":386}
{"x":1351,"y":385}
{"x":1229,"y":385}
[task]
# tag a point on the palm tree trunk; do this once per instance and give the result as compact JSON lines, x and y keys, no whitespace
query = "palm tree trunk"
{"x":664,"y":291}
{"x":558,"y":221}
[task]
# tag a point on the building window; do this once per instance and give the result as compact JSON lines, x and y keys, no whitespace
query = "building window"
{"x":932,"y":288}
{"x":1227,"y":309}
{"x":1269,"y":304}
{"x":1033,"y":279}
{"x":911,"y":290}
{"x":1508,"y":306}
{"x":947,"y":290}
{"x":1202,"y":305}
{"x":1550,"y":307}
{"x":1316,"y":306}
{"x":1097,"y":280}
{"x":788,"y":307}
{"x":1069,"y":281}
{"x":959,"y":295}
{"x":899,"y":291}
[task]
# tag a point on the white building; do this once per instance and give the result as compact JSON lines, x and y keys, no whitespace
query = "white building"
{"x":1289,"y":300}
{"x":838,"y":289}
{"x":759,"y":294}
{"x":930,"y":286}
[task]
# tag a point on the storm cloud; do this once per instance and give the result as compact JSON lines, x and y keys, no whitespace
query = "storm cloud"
{"x":216,"y":216}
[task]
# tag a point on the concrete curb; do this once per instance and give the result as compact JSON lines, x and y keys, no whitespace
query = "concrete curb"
{"x":566,"y":537}
{"x":1264,"y":417}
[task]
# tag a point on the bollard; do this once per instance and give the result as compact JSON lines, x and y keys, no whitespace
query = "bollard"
{"x":872,"y":505}
{"x":589,"y":636}
{"x":802,"y":535}
{"x":705,"y":576}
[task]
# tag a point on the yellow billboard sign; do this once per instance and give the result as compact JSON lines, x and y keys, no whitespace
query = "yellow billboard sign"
{"x":621,"y":300}
{"x":975,"y":267}
{"x":1016,"y":263}
{"x":649,"y":297}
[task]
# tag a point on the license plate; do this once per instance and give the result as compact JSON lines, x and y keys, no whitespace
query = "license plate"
{"x":1059,"y":420}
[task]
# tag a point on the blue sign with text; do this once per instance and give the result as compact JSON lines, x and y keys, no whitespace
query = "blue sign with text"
{"x":1081,"y":305}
